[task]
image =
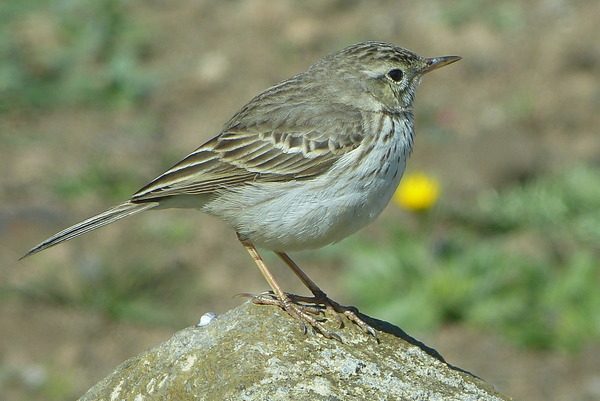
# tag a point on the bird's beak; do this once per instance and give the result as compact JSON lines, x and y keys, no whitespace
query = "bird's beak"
{"x":436,"y":62}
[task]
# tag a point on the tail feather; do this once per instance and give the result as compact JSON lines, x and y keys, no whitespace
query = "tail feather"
{"x":113,"y":214}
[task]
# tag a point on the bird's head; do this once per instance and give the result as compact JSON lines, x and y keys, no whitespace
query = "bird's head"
{"x":375,"y":75}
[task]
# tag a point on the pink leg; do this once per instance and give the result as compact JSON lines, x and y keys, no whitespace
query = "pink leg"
{"x":322,"y":299}
{"x":304,"y":314}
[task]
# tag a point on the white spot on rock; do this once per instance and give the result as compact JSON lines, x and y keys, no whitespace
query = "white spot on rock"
{"x":206,"y":319}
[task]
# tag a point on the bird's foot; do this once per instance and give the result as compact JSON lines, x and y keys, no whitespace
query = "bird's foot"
{"x":335,"y":309}
{"x":296,"y":306}
{"x":293,"y":306}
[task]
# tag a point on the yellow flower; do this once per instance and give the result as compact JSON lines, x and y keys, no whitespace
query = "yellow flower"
{"x":417,"y":192}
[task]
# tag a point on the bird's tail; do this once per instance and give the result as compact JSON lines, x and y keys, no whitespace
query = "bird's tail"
{"x":115,"y":213}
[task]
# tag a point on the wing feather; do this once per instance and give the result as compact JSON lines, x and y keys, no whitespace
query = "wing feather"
{"x":285,"y":146}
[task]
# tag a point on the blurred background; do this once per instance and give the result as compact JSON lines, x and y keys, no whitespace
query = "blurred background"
{"x":489,"y":252}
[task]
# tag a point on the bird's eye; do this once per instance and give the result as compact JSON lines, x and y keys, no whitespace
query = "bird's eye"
{"x":395,"y":75}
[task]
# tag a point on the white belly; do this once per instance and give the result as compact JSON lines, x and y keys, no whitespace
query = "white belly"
{"x":305,"y":214}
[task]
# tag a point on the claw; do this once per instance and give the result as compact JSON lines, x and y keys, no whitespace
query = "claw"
{"x":295,"y":305}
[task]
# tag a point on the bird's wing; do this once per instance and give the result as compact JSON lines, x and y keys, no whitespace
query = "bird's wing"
{"x":279,"y":147}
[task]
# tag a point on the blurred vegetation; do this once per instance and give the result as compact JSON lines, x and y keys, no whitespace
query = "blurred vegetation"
{"x":522,"y":262}
{"x":143,"y":286}
{"x":86,"y":87}
{"x":64,"y":52}
{"x":99,"y":177}
{"x":144,"y":292}
{"x":503,"y":16}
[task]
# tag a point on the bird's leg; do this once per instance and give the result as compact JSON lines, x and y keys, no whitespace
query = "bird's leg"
{"x":322,"y":299}
{"x":319,"y":295}
{"x":304,"y":314}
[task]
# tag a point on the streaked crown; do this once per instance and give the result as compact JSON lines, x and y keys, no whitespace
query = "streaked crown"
{"x":373,"y":75}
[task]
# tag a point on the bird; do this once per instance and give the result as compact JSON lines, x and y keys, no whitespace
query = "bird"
{"x":304,"y":164}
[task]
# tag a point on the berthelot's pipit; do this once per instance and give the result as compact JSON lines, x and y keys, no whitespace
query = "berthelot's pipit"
{"x":304,"y":164}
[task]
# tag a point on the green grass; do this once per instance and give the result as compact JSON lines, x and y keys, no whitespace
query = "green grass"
{"x":502,"y":16}
{"x":97,"y":177}
{"x":522,"y":262}
{"x":142,"y":292}
{"x":132,"y":281}
{"x":60,"y":53}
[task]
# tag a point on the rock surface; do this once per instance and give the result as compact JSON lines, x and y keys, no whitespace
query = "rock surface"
{"x":259,"y":353}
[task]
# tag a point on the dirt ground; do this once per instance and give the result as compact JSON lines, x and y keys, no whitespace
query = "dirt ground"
{"x":523,"y":100}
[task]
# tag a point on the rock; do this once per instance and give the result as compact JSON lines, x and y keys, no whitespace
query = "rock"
{"x":260,"y":353}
